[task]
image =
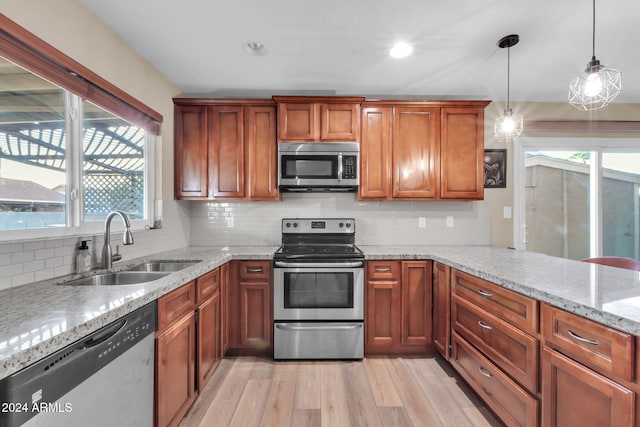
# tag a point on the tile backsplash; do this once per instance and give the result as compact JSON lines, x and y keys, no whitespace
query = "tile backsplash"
{"x":377,"y":223}
{"x":29,"y":261}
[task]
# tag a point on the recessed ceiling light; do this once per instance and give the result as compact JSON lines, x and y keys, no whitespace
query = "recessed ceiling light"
{"x":254,"y":48}
{"x":401,"y":50}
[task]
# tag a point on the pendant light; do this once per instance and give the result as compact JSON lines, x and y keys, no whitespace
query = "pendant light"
{"x":598,"y":85}
{"x":509,"y":125}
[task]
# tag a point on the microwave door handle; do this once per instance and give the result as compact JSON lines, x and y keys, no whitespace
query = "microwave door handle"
{"x":339,"y":167}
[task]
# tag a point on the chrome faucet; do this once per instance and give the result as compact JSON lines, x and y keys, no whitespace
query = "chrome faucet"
{"x":127,"y":238}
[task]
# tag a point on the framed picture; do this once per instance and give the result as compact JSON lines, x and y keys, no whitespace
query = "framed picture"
{"x":495,"y":168}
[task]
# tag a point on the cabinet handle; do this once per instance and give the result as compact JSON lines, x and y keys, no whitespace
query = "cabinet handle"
{"x":485,"y":372}
{"x":485,"y":293}
{"x":383,"y":269}
{"x":579,"y":338}
{"x":254,"y":269}
{"x":484,"y":325}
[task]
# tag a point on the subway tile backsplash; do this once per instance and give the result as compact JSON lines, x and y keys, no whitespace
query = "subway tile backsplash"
{"x":200,"y":223}
{"x":35,"y":260}
{"x":377,"y":223}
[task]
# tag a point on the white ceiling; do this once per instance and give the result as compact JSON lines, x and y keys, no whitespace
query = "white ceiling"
{"x":341,"y":46}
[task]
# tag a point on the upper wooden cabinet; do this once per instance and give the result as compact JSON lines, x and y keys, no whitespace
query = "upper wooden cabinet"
{"x":303,"y":118}
{"x":462,"y":153}
{"x":225,"y":149}
{"x":422,"y":150}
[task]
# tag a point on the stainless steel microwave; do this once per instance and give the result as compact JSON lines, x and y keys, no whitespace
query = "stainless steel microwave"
{"x":318,"y":166}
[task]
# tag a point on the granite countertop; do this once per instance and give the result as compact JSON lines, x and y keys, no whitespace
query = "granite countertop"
{"x":40,"y":318}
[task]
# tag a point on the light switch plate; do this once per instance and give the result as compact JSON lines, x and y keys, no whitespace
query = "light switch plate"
{"x":422,"y":222}
{"x":506,"y":212}
{"x":449,"y":222}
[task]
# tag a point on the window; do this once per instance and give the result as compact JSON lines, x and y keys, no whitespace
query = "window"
{"x":73,"y":147}
{"x":578,"y":198}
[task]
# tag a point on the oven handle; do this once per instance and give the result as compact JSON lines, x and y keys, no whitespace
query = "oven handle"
{"x":351,"y":264}
{"x":318,"y":328}
{"x":339,"y":167}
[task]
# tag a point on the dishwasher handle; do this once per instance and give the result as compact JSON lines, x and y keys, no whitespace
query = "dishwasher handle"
{"x":104,"y":335}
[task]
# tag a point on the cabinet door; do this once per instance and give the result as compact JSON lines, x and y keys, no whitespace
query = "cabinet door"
{"x":441,"y":308}
{"x":340,"y":122}
{"x":209,"y":352}
{"x":415,"y":163}
{"x":224,"y":309}
{"x":256,"y":321}
{"x":462,"y":153}
{"x":375,"y":153}
{"x":382,"y":316}
{"x":175,"y":371}
{"x":261,"y":156}
{"x":416,"y":303}
{"x":573,"y":395}
{"x":226,"y":151}
{"x":298,"y":122}
{"x":190,"y":151}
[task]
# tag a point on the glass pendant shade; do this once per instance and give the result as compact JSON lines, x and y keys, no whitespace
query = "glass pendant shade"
{"x":595,"y":88}
{"x":508,"y":126}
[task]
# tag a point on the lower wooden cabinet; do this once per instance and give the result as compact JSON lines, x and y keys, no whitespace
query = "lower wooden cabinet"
{"x":441,"y":308}
{"x":250,"y":316}
{"x":209,"y":342}
{"x":512,"y":404}
{"x":175,"y":371}
{"x":398,"y":307}
{"x":575,"y":396}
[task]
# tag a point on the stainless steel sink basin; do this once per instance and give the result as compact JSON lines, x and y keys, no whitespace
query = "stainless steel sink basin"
{"x":118,"y":278}
{"x":169,"y":266}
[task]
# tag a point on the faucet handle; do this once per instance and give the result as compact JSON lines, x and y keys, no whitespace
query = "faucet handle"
{"x":117,"y":256}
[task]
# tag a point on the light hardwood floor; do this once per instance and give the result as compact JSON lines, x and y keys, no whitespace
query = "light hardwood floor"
{"x":374,"y":392}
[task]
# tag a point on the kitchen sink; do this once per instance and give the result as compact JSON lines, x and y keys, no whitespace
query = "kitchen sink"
{"x":118,"y":278}
{"x":162,"y":266}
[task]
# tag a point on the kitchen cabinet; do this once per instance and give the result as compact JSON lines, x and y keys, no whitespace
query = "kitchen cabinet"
{"x":250,"y":313}
{"x":495,"y":346}
{"x":224,"y":308}
{"x":190,"y":154}
{"x":398,"y":307}
{"x":302,"y":118}
{"x":422,"y":150}
{"x":175,"y":388}
{"x":462,"y":153}
{"x":208,"y":325}
{"x":587,"y":369}
{"x":225,"y":149}
{"x":442,"y":308}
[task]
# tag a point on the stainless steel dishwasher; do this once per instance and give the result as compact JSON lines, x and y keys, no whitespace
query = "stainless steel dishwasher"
{"x":104,"y":379}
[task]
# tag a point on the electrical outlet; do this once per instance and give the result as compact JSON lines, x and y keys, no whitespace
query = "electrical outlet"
{"x":449,"y":222}
{"x":422,"y":222}
{"x":506,"y":212}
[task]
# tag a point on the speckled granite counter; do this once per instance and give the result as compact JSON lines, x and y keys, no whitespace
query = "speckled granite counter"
{"x":605,"y":294}
{"x":40,"y":318}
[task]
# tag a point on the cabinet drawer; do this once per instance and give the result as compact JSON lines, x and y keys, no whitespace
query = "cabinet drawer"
{"x":512,"y":404}
{"x":207,"y":285}
{"x":249,"y":270}
{"x":599,"y":347}
{"x":175,"y":304}
{"x":383,"y":270}
{"x":513,"y":350}
{"x":517,"y":309}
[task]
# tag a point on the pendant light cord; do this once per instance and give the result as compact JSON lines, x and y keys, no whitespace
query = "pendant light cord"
{"x":593,"y":34}
{"x":509,"y":74}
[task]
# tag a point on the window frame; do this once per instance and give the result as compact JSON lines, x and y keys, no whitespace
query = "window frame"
{"x":596,"y":146}
{"x":81,"y":84}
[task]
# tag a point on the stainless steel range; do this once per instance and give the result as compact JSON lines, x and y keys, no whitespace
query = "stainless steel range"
{"x":318,"y":301}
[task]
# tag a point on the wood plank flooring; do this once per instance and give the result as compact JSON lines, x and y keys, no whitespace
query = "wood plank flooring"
{"x":374,"y":392}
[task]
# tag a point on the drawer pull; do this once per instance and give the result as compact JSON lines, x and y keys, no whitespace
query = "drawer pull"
{"x":485,"y":293}
{"x":383,"y":269}
{"x":579,"y":338}
{"x":485,"y":372}
{"x":484,"y":325}
{"x":254,"y":269}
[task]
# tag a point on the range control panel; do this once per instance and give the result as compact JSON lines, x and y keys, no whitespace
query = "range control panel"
{"x":319,"y":225}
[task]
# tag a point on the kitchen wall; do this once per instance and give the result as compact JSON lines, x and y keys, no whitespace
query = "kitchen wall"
{"x":28,"y":261}
{"x":377,"y":223}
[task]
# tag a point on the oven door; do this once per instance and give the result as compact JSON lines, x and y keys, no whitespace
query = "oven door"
{"x":318,"y":291}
